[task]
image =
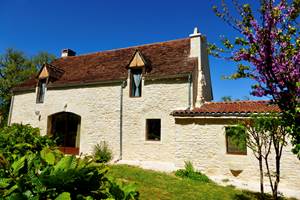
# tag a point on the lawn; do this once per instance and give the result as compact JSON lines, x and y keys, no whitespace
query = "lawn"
{"x":154,"y":185}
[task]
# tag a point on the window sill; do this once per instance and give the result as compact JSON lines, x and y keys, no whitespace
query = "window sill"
{"x":152,"y":142}
{"x":135,"y":97}
{"x":236,"y":154}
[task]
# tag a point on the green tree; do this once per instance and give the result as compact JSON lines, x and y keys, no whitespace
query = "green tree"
{"x":263,"y":134}
{"x":16,"y":67}
{"x":41,"y":58}
{"x":258,"y":139}
{"x":226,"y":98}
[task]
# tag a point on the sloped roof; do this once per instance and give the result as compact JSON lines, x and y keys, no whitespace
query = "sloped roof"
{"x":233,"y":108}
{"x":166,"y":59}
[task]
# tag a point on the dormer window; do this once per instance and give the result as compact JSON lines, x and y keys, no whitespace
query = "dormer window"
{"x":41,"y":90}
{"x":136,"y":82}
{"x":137,"y":67}
{"x":48,"y":73}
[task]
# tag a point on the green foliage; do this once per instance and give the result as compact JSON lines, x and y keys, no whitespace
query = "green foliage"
{"x":31,"y":168}
{"x":18,"y":140}
{"x":226,"y":98}
{"x":190,"y":173}
{"x":42,"y":58}
{"x":237,"y":136}
{"x":32,"y":177}
{"x":122,"y":191}
{"x":266,"y":132}
{"x":102,"y":153}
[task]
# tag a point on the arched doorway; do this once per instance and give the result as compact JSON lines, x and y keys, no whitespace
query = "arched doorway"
{"x":65,"y":128}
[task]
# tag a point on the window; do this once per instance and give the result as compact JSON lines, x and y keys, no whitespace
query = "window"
{"x":135,"y":82}
{"x":235,"y":140}
{"x":153,"y":127}
{"x":41,"y":91}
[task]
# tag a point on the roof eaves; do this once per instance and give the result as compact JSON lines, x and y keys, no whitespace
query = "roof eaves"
{"x":214,"y":114}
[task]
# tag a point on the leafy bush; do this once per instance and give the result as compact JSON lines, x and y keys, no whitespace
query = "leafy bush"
{"x":43,"y":172}
{"x":17,"y":140}
{"x":191,"y":173}
{"x":123,"y":191}
{"x":102,"y":153}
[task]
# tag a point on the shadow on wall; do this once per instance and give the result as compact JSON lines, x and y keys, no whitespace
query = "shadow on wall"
{"x":206,"y":121}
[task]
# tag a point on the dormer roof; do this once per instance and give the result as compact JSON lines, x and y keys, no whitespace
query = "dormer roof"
{"x":50,"y":71}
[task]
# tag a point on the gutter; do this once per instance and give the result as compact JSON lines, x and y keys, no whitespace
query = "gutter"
{"x":10,"y":110}
{"x":70,"y":85}
{"x":190,"y":92}
{"x":123,"y":85}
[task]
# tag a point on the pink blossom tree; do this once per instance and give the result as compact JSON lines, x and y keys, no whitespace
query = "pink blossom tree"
{"x":267,"y":50}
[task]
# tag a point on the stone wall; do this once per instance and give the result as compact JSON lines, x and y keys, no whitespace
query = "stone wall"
{"x":159,"y":99}
{"x":99,"y":108}
{"x":203,"y":142}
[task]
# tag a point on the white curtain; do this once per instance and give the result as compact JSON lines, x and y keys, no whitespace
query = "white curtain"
{"x":137,"y":81}
{"x":43,"y":88}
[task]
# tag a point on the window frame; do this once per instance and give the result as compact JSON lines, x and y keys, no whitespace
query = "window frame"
{"x":131,"y":80}
{"x":227,"y":143}
{"x":40,"y":98}
{"x":147,"y":130}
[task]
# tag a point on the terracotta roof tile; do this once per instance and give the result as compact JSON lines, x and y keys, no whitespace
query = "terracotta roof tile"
{"x":166,"y":58}
{"x":229,"y":108}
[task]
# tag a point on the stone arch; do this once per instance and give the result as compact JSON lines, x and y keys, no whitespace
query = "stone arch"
{"x":65,"y":127}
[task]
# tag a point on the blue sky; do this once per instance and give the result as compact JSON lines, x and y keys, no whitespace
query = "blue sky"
{"x":95,"y":25}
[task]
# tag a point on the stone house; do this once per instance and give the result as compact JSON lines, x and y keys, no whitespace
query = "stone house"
{"x":151,"y":103}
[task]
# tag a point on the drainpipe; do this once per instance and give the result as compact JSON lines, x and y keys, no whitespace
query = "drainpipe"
{"x":10,"y":110}
{"x":123,"y":85}
{"x":190,"y":91}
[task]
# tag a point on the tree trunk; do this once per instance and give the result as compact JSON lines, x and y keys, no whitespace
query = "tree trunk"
{"x":275,"y":191}
{"x":261,"y":177}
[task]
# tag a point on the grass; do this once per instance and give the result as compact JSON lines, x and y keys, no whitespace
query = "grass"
{"x":154,"y":185}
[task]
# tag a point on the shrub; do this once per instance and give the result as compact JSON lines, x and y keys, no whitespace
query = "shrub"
{"x":102,"y":153}
{"x":19,"y":140}
{"x":123,"y":191}
{"x":190,"y":173}
{"x":43,"y":172}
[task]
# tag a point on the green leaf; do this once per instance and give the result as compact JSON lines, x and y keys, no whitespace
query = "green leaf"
{"x":65,"y":163}
{"x":48,"y":156}
{"x":18,"y":165}
{"x":64,"y":196}
{"x":5,"y":182}
{"x":12,"y":189}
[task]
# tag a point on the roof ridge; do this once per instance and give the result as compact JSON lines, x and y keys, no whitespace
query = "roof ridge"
{"x":122,"y":48}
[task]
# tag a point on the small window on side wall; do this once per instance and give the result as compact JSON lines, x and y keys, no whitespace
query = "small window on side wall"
{"x":136,"y":82}
{"x":153,"y":129}
{"x":235,"y":140}
{"x":41,"y":90}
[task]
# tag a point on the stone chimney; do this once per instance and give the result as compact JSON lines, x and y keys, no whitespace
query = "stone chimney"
{"x":67,"y":53}
{"x":202,"y":90}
